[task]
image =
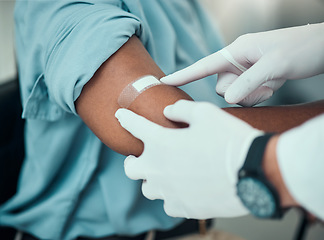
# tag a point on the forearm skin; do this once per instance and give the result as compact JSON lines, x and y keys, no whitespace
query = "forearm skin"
{"x":279,"y":118}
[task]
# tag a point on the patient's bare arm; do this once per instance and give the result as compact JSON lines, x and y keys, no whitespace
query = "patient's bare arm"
{"x":279,"y":118}
{"x":97,"y":103}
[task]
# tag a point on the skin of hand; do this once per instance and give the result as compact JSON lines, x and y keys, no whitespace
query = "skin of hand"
{"x":270,"y":58}
{"x":271,"y":169}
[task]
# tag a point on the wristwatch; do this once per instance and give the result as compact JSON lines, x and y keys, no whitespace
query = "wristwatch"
{"x":257,"y":194}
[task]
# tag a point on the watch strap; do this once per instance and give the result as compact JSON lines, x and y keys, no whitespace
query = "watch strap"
{"x":253,"y":166}
{"x":256,"y":151}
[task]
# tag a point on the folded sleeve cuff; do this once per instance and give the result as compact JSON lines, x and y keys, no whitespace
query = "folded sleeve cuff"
{"x":86,"y":42}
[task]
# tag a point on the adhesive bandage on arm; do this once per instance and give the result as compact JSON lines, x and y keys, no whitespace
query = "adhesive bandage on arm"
{"x":135,"y":88}
{"x":226,"y":54}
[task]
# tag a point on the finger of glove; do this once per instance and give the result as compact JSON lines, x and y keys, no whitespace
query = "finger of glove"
{"x":212,"y":64}
{"x":134,"y":168}
{"x":249,"y":81}
{"x":263,"y":93}
{"x":224,"y":81}
{"x":181,"y":111}
{"x":150,"y":190}
{"x":137,"y":125}
{"x":173,"y":209}
{"x":275,"y":84}
{"x":258,"y":96}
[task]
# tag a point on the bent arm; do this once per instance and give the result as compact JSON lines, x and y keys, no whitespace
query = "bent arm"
{"x":97,"y":103}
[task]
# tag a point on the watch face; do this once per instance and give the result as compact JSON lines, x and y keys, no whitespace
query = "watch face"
{"x":256,"y":196}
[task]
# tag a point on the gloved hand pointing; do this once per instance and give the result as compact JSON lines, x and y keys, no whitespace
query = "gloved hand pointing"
{"x":188,"y":168}
{"x":255,"y":65}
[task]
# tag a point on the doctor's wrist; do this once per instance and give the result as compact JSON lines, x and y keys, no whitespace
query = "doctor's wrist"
{"x":272,"y":172}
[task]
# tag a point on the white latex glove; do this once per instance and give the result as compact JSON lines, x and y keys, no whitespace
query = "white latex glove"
{"x":194,"y":170}
{"x":255,"y":65}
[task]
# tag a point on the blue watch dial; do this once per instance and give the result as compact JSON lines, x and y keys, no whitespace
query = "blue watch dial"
{"x":256,"y":196}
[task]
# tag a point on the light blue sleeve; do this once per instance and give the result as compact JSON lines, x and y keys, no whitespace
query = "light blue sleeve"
{"x":60,"y":45}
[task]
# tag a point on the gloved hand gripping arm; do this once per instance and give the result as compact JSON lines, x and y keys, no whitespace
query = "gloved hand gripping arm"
{"x":182,"y":167}
{"x":195,"y":169}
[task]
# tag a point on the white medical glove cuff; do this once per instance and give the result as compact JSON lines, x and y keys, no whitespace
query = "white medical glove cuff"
{"x":300,"y":159}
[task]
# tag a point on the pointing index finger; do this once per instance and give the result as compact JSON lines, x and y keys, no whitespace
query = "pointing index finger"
{"x":137,"y":125}
{"x":212,"y":64}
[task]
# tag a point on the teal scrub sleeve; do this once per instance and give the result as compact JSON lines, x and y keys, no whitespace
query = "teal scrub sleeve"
{"x":72,"y":40}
